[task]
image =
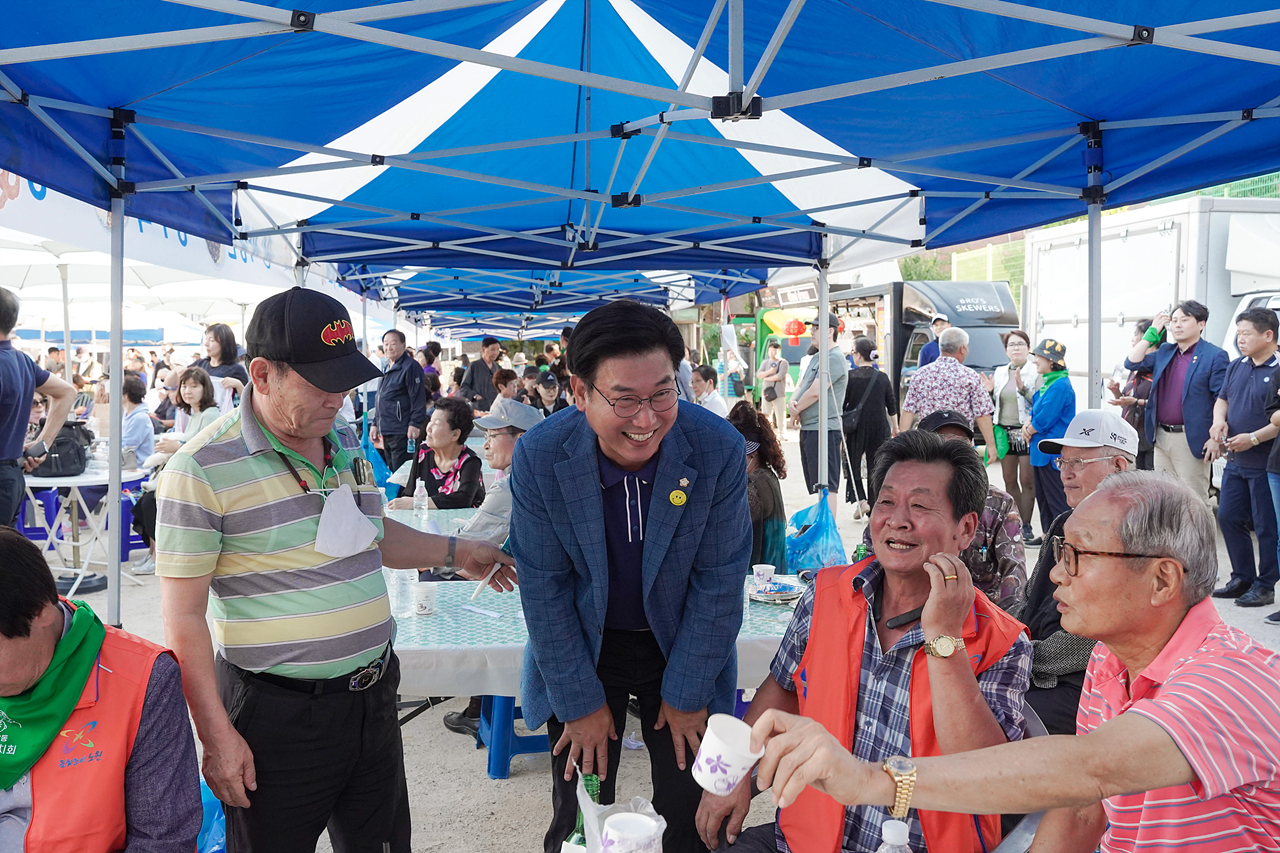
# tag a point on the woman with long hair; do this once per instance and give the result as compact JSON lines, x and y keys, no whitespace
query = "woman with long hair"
{"x":869,"y":394}
{"x":1012,"y":386}
{"x":1052,"y":408}
{"x":450,"y":469}
{"x":228,"y":375}
{"x":765,"y":467}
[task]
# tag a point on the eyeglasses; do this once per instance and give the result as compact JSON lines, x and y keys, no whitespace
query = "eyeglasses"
{"x":1069,"y":555}
{"x":499,"y":433}
{"x":628,"y":405}
{"x":1075,"y":465}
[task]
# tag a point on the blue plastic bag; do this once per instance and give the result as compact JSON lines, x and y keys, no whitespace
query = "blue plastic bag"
{"x":813,"y":542}
{"x":213,"y":827}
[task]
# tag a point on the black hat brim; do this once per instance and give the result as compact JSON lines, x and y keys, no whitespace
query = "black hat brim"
{"x":338,"y":375}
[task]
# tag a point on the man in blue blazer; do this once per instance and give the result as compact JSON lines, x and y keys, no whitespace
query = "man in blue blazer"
{"x":632,"y":536}
{"x":1186,"y":378}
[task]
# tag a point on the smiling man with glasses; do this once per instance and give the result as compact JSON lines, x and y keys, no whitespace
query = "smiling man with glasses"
{"x":1096,"y":445}
{"x":1178,"y":746}
{"x":631,"y":529}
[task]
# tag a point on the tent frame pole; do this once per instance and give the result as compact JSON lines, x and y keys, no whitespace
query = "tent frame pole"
{"x":66,"y":323}
{"x":824,"y":369}
{"x":1096,"y":201}
{"x":115,"y":406}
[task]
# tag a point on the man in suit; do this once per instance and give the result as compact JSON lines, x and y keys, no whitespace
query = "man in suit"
{"x":1186,"y":379}
{"x":631,"y":530}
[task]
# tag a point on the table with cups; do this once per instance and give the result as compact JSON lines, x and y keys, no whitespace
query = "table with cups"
{"x":451,"y":645}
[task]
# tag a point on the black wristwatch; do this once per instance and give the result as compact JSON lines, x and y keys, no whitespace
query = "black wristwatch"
{"x":453,"y":552}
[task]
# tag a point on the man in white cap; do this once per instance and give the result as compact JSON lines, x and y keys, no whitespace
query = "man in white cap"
{"x":929,"y":353}
{"x":1097,"y":444}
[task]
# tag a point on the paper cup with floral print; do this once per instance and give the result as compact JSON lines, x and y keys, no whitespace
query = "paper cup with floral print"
{"x":725,"y":757}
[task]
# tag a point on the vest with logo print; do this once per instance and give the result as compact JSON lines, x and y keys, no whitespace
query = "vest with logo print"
{"x":77,"y":786}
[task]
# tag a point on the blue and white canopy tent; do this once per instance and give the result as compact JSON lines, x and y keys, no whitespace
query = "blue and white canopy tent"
{"x":624,"y":135}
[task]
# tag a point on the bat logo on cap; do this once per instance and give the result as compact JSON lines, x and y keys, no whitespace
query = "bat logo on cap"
{"x":339,"y":331}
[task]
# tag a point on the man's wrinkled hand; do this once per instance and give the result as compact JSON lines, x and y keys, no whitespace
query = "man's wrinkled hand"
{"x":588,"y":741}
{"x":1239,"y":443}
{"x":949,"y":601}
{"x":31,"y":463}
{"x":799,"y":752}
{"x":476,"y":559}
{"x":713,"y":810}
{"x":228,"y":768}
{"x":686,"y":727}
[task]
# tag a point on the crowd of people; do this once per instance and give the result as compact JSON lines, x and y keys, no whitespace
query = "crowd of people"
{"x":905,"y":684}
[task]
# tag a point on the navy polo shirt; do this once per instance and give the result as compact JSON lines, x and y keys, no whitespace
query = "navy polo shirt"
{"x":626,"y":497}
{"x":1247,"y":388}
{"x":19,"y":379}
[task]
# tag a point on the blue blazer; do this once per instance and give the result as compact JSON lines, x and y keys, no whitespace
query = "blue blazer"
{"x":1199,"y":391}
{"x":695,"y":561}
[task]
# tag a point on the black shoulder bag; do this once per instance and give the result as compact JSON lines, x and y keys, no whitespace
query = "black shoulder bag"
{"x":850,"y":417}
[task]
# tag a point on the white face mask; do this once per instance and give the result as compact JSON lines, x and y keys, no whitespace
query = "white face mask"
{"x":344,"y":529}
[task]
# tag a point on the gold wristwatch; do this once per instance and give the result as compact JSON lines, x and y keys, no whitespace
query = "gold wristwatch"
{"x":902,"y":771}
{"x":944,"y":646}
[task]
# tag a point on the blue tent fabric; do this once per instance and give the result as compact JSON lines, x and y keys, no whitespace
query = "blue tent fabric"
{"x":312,"y":88}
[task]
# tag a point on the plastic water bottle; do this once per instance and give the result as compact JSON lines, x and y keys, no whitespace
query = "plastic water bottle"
{"x":894,"y":836}
{"x":412,"y":446}
{"x":420,"y":500}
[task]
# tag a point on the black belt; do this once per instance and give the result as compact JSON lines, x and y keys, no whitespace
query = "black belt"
{"x":1173,"y":427}
{"x":352,"y":682}
{"x":9,"y":462}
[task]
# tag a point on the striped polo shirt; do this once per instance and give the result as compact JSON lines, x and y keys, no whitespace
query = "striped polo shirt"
{"x":1216,"y":692}
{"x":228,"y":506}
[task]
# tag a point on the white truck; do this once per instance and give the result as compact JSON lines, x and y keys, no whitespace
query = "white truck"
{"x":1222,"y":252}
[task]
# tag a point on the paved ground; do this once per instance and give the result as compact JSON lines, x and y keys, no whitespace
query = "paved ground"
{"x":456,"y":806}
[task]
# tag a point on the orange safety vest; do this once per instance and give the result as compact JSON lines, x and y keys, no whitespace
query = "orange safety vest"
{"x":77,"y":786}
{"x":827,"y":680}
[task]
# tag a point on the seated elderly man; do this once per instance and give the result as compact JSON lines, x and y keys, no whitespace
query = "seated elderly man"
{"x":96,"y":752}
{"x":940,"y":668}
{"x":995,"y":558}
{"x":1097,"y":444}
{"x":1178,"y":747}
{"x":505,"y":423}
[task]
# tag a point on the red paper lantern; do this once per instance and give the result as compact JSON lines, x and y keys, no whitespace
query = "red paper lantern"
{"x":794,"y":329}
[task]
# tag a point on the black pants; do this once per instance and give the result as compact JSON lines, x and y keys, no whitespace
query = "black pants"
{"x":1049,"y":495}
{"x":331,"y":761}
{"x":12,"y":491}
{"x":631,"y":664}
{"x":144,"y":517}
{"x":863,"y":444}
{"x":395,"y":451}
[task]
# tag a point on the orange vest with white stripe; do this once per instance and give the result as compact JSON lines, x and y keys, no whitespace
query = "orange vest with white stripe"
{"x":827,"y":682}
{"x":77,"y":786}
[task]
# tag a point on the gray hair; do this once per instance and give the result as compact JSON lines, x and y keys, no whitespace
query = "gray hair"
{"x":952,"y":340}
{"x":1164,"y":518}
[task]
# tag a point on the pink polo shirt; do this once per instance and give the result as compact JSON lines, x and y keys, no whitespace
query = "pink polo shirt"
{"x":1216,"y":692}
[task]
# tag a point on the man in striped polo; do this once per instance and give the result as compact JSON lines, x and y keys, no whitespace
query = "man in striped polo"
{"x":274,"y":516}
{"x":1179,"y":741}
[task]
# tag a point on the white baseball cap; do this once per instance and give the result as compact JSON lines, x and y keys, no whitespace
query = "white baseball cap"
{"x":1094,"y":428}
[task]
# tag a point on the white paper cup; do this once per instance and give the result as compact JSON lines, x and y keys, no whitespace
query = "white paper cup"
{"x":725,"y":757}
{"x":763,"y":574}
{"x":424,"y":599}
{"x":631,"y":833}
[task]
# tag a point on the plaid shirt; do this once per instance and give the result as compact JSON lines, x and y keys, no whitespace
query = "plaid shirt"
{"x":883,"y":726}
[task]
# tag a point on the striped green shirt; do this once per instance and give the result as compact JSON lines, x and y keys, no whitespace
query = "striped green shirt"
{"x":229,"y":506}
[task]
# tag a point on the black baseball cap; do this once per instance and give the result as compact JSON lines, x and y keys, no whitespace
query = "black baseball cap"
{"x":312,"y":333}
{"x":547,"y":379}
{"x":832,"y":320}
{"x":935,"y":421}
